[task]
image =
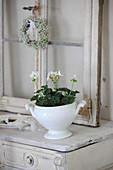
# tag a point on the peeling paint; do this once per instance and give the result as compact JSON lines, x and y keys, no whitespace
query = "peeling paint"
{"x":104,"y":79}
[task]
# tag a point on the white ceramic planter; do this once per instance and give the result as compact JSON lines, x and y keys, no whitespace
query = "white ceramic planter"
{"x":56,"y":119}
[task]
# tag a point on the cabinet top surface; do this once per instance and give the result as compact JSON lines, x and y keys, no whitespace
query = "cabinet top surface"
{"x":82,"y":136}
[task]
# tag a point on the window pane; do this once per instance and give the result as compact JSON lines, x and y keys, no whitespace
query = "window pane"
{"x":69,"y":60}
{"x":66,"y":20}
{"x":14,"y":15}
{"x":18,"y":64}
{"x":18,"y":59}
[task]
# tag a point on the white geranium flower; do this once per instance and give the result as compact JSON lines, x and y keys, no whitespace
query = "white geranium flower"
{"x":59,"y":73}
{"x":34,"y":75}
{"x":53,"y":76}
{"x":74,"y":79}
{"x":49,"y":74}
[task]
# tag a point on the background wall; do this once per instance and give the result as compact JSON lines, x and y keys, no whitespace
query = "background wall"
{"x":107,"y":62}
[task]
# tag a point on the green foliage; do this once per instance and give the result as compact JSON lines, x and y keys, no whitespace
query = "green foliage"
{"x":49,"y":97}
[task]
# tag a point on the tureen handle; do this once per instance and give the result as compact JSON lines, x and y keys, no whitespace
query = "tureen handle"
{"x":81,"y":104}
{"x":31,"y":108}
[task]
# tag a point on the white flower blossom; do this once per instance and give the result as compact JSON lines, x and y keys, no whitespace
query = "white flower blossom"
{"x":59,"y":73}
{"x":74,"y":79}
{"x":34,"y":75}
{"x":54,"y":75}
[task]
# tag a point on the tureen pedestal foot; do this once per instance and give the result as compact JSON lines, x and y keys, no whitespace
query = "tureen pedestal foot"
{"x":57,"y":134}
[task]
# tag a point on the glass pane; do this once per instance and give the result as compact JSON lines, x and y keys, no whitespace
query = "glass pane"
{"x":14,"y":15}
{"x":18,"y":59}
{"x":19,"y":62}
{"x":69,"y":60}
{"x":66,"y":20}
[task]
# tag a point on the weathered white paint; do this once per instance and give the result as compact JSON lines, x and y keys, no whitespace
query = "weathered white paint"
{"x":92,"y":60}
{"x":96,"y":59}
{"x":94,"y":157}
{"x":13,"y":104}
{"x":87,"y":51}
{"x":89,"y":148}
{"x":31,"y":157}
{"x":82,"y":136}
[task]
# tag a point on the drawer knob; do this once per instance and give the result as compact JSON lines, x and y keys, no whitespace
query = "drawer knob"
{"x":30,"y":160}
{"x":58,"y":161}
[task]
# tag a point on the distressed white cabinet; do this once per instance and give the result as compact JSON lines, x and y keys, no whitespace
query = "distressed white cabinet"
{"x":87,"y":149}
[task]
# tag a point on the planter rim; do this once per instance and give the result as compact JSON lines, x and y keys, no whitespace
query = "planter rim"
{"x":50,"y":107}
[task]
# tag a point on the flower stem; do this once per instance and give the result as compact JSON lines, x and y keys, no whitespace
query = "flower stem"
{"x":71,"y":88}
{"x":36,"y":85}
{"x":55,"y":84}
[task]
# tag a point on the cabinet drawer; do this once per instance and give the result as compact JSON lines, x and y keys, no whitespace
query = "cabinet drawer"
{"x":27,"y":157}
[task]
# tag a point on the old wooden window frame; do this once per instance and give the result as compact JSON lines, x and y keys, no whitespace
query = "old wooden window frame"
{"x":90,"y":115}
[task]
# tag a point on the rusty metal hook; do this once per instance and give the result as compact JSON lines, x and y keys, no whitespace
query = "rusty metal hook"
{"x":29,"y":8}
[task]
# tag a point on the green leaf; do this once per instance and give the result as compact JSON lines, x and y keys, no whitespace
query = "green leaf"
{"x":44,"y":87}
{"x":49,"y":90}
{"x":64,"y":89}
{"x":68,"y":100}
{"x":71,"y":99}
{"x":73,"y":80}
{"x":64,"y":100}
{"x":33,"y":98}
{"x":74,"y":92}
{"x":38,"y":91}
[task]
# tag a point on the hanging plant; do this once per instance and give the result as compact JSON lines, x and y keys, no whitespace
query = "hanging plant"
{"x":32,"y":23}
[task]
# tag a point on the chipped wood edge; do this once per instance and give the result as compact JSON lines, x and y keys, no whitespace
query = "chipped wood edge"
{"x":96,"y":60}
